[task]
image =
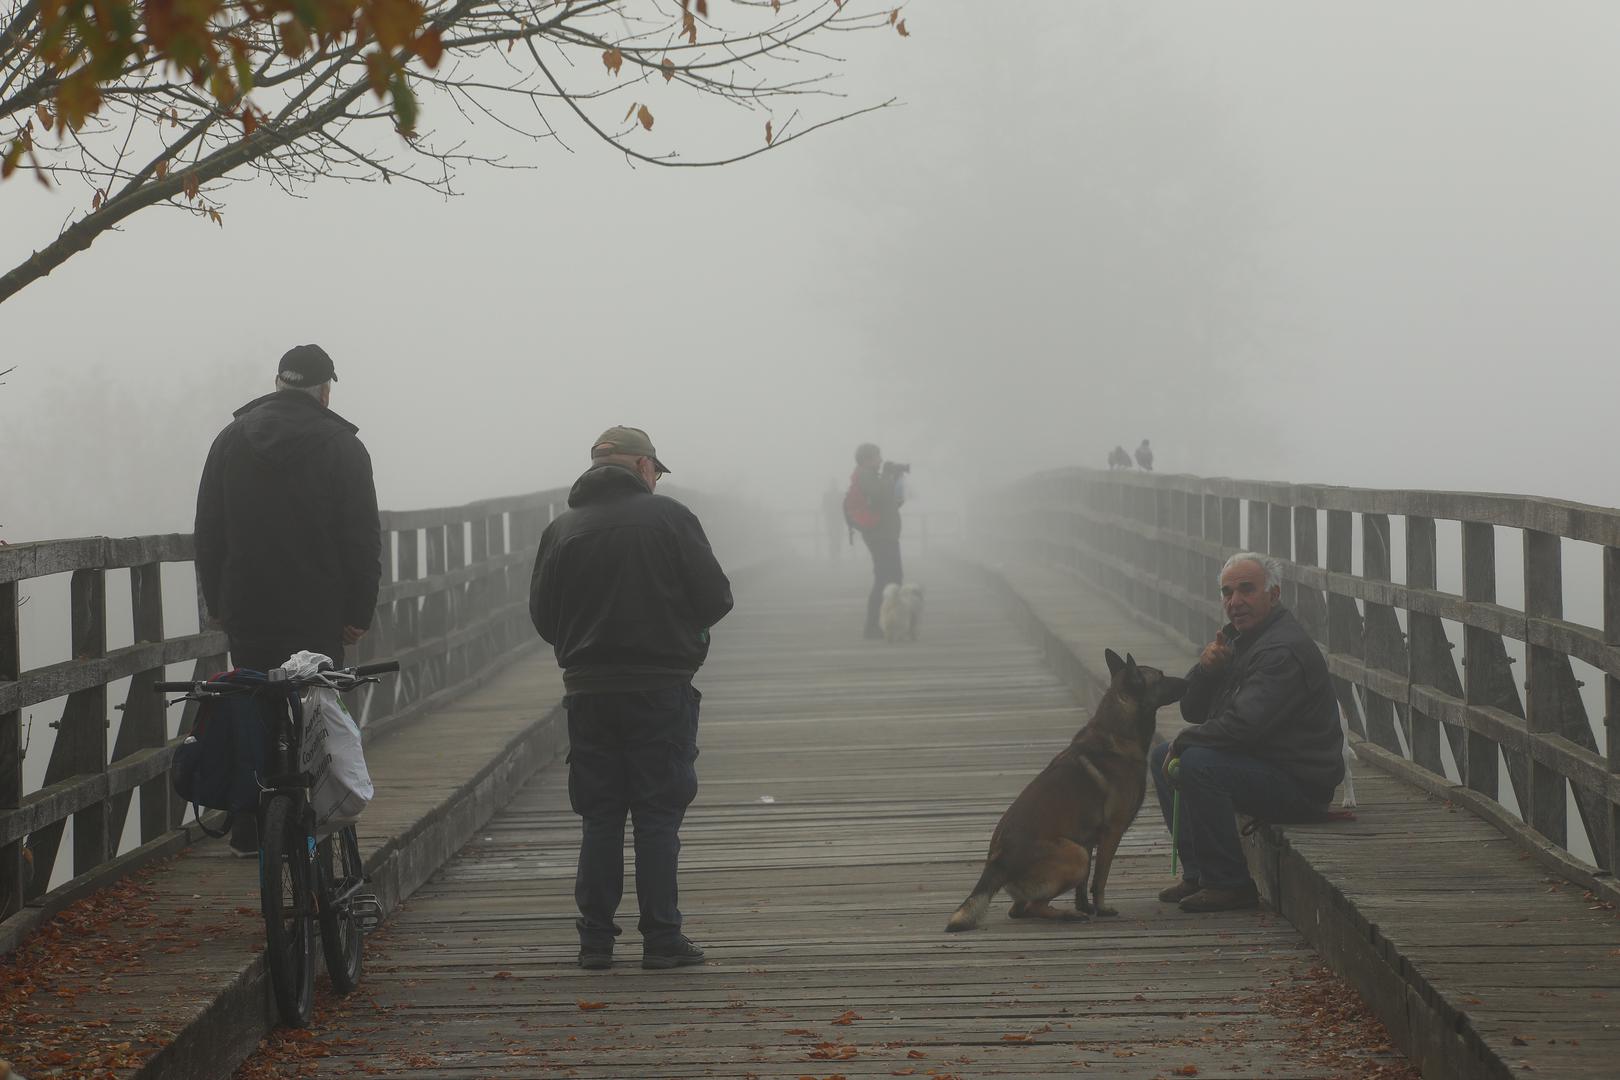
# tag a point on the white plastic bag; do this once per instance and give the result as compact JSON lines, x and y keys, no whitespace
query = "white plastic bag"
{"x":330,"y":752}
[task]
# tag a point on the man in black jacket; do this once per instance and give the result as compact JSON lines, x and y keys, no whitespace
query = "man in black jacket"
{"x":288,"y":542}
{"x":625,"y":589}
{"x":1265,"y":739}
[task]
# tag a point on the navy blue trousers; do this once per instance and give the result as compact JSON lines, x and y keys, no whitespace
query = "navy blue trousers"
{"x":1217,"y":785}
{"x":631,"y":754}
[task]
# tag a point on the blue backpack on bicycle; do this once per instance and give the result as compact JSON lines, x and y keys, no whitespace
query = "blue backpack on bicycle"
{"x":219,"y":764}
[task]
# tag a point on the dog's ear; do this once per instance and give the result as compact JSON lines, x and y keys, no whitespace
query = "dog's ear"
{"x":1133,"y":674}
{"x":1115,"y":664}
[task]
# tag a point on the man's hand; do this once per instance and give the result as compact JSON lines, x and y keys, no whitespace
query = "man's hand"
{"x":352,"y":634}
{"x":1216,"y":653}
{"x":213,"y":622}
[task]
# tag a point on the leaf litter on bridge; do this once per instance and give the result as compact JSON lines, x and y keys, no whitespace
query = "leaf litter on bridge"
{"x":65,"y":1011}
{"x":1332,"y":1033}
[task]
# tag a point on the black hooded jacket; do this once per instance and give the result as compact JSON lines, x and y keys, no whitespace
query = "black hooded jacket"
{"x":625,"y":587}
{"x":1273,"y":701}
{"x":288,"y":542}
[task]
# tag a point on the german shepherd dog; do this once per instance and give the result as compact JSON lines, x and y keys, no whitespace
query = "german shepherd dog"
{"x":1080,"y":803}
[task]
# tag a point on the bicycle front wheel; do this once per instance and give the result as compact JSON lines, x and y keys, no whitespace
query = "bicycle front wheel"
{"x":339,"y":859}
{"x":287,"y":898}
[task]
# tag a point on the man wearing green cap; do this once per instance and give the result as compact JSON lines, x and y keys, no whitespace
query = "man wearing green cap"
{"x":625,"y":589}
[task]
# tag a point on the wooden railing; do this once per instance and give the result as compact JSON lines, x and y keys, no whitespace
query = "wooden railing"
{"x":1157,"y":543}
{"x":453,"y":606}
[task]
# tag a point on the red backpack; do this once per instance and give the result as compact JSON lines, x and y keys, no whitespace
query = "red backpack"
{"x":858,"y":510}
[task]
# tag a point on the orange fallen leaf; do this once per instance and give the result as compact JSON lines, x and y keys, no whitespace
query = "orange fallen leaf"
{"x":588,"y":1005}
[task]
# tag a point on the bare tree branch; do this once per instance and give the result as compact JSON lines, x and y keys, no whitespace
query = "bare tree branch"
{"x":297,"y":115}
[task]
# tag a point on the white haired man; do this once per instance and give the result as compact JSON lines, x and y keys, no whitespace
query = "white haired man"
{"x":1264,"y":738}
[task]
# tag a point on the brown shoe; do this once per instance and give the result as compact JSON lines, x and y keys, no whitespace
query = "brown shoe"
{"x":1178,"y":892}
{"x":1238,"y":898}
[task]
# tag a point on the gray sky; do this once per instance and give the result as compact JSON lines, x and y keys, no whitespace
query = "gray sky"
{"x":1369,"y":243}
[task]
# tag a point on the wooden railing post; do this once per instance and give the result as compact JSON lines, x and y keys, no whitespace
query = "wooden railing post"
{"x":1344,"y":619}
{"x":1488,"y":675}
{"x":143,"y":727}
{"x":1259,"y":525}
{"x":1430,"y":650}
{"x":81,"y":738}
{"x":1309,"y":606}
{"x":1544,"y":703}
{"x":12,"y":876}
{"x":1385,"y":648}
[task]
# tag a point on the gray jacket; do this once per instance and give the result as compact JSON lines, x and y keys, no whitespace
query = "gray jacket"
{"x":1272,"y":701}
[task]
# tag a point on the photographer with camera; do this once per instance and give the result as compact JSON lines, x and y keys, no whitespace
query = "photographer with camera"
{"x":872,"y":507}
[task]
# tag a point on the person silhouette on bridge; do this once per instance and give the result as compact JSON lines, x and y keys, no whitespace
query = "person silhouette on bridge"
{"x":1265,"y":738}
{"x":872,"y":506}
{"x":289,"y":545}
{"x":1144,"y":457}
{"x":625,"y":589}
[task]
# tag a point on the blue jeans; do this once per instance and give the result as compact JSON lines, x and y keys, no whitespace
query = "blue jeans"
{"x":1216,"y":785}
{"x":632,"y":754}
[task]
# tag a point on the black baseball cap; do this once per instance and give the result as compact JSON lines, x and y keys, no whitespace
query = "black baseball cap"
{"x":306,"y":365}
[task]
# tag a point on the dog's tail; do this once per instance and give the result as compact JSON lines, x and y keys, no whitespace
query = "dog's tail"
{"x":973,"y":908}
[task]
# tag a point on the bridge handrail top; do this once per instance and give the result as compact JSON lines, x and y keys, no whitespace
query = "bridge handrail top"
{"x":433,"y":516}
{"x":1564,"y":517}
{"x":41,"y":558}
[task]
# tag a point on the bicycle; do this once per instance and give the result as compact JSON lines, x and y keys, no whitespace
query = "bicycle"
{"x":304,"y":880}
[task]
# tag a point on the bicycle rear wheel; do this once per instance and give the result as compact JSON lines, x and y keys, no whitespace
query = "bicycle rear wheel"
{"x":286,"y":896}
{"x":339,"y":859}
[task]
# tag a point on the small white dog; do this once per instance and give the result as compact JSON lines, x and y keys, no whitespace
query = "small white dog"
{"x":901,"y":611}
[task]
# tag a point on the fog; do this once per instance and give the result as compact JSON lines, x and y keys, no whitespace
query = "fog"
{"x":1372,"y":244}
{"x":1369,"y":244}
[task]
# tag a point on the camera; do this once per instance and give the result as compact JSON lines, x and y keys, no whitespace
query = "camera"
{"x":895,"y":468}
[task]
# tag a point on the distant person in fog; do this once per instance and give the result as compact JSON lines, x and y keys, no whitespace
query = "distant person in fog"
{"x":1118,"y":458}
{"x":872,"y":507}
{"x":1144,"y":456}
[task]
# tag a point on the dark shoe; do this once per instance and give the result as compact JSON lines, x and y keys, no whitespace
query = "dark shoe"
{"x":594,"y":958}
{"x":1178,"y":892}
{"x":1237,"y":898}
{"x":681,"y":953}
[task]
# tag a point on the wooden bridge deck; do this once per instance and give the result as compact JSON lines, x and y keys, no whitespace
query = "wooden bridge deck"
{"x":848,"y":792}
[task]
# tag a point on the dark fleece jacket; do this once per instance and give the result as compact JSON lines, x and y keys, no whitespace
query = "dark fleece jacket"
{"x":625,"y":586}
{"x":288,"y":543}
{"x":1273,"y":701}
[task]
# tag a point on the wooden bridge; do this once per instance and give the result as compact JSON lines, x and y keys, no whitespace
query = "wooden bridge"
{"x":848,"y":791}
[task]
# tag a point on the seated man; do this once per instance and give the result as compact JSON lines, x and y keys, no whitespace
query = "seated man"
{"x":1265,"y":739}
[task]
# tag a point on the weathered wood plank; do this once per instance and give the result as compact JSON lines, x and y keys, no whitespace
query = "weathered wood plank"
{"x":848,"y":792}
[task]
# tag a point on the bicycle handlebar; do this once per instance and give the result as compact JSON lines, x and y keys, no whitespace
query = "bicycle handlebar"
{"x":363,"y":671}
